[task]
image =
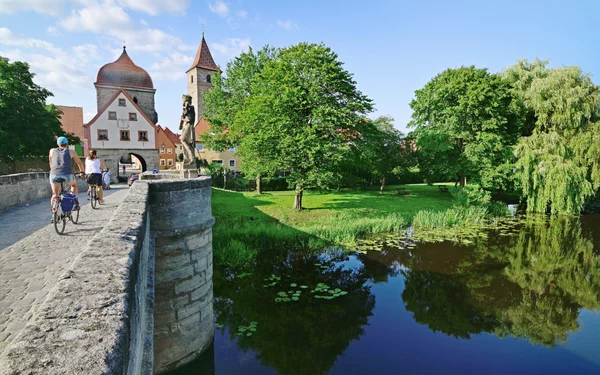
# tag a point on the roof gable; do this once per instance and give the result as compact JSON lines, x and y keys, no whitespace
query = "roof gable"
{"x":112,"y":100}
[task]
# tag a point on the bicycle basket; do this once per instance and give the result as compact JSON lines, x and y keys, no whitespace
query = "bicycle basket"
{"x":68,"y":202}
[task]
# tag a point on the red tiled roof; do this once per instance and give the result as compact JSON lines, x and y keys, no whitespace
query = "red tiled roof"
{"x":124,"y":73}
{"x":172,"y":136}
{"x":203,"y":58}
{"x":202,"y":126}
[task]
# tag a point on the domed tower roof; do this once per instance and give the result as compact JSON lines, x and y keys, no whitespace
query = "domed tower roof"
{"x":124,"y":73}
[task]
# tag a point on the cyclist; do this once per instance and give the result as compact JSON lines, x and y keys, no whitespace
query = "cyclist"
{"x":61,"y":164}
{"x":93,"y":169}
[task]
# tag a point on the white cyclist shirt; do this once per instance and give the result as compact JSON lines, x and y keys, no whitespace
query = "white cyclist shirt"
{"x":92,"y":166}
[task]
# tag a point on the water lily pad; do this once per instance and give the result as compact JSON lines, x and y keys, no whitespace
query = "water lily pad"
{"x":331,"y":291}
{"x":303,"y":286}
{"x":249,"y":334}
{"x":343,"y":293}
{"x":295,"y":298}
{"x":281,"y":294}
{"x":293,"y":285}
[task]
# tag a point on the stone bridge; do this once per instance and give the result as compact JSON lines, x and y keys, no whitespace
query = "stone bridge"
{"x":126,"y":291}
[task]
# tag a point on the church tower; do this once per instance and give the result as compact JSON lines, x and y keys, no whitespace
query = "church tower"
{"x":199,"y":76}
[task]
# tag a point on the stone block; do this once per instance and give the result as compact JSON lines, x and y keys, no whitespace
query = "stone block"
{"x":186,"y":286}
{"x":201,"y":294}
{"x":192,"y":308}
{"x":179,"y":274}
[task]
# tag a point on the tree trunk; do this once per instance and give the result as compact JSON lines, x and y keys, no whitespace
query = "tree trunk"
{"x":225,"y":180}
{"x":382,"y":185}
{"x":463,"y":181}
{"x":258,"y":184}
{"x":298,"y":198}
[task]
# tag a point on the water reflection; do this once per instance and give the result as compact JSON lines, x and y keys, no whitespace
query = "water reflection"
{"x":528,"y":281}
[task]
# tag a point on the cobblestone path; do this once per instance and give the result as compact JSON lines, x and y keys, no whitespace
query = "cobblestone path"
{"x":33,"y":256}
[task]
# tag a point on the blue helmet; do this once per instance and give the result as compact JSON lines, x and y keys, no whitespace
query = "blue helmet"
{"x":61,"y":141}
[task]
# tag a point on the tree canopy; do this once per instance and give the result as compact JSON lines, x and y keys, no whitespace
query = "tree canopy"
{"x":558,"y":160}
{"x":28,"y":127}
{"x":465,"y":123}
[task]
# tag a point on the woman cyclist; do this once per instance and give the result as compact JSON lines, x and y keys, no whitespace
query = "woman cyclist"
{"x":93,"y":169}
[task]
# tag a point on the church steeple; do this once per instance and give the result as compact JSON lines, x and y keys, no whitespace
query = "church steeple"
{"x":204,"y":58}
{"x":199,"y":76}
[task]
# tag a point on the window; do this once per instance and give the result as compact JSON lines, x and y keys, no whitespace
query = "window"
{"x":169,"y":150}
{"x":102,"y":134}
{"x":112,"y":115}
{"x":142,"y":136}
{"x":208,"y":78}
{"x":125,"y":135}
{"x":121,"y":102}
{"x":162,"y":150}
{"x":135,"y":99}
{"x":218,"y":161}
{"x":170,"y":161}
{"x":199,"y":147}
{"x":132,"y":116}
{"x":232,"y":149}
{"x":192,"y":79}
{"x":162,"y":162}
{"x":232,"y":163}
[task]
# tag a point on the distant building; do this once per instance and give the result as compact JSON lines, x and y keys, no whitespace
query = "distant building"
{"x":71,"y":120}
{"x":125,"y":124}
{"x":167,"y":149}
{"x":199,"y":82}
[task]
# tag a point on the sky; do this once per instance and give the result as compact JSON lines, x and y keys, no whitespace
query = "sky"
{"x":392,"y":47}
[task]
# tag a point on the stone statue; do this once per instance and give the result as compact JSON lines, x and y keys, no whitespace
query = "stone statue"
{"x":188,"y":138}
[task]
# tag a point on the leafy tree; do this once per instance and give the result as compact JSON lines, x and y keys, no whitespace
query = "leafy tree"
{"x":225,"y":101}
{"x":385,"y":150}
{"x":303,"y":113}
{"x":466,"y":121}
{"x":28,"y":127}
{"x":558,"y":165}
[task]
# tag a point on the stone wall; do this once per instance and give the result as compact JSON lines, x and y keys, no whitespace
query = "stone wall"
{"x":23,"y":188}
{"x":184,"y":326}
{"x":27,"y":165}
{"x":100,"y":318}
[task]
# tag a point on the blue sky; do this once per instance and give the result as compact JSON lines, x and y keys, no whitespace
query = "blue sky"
{"x":392,"y":47}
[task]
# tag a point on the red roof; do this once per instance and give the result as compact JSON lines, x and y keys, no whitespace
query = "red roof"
{"x":124,"y":73}
{"x":202,"y":126}
{"x":172,"y":136}
{"x":203,"y":58}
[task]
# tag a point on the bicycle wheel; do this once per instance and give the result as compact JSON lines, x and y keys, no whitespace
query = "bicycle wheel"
{"x":59,"y":221}
{"x":74,"y":215}
{"x":93,"y":199}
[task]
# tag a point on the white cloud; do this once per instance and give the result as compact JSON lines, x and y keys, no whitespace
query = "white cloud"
{"x":110,"y":19}
{"x":86,"y":52}
{"x":288,"y":25}
{"x":172,"y":67}
{"x":53,"y":31}
{"x":242,"y":13}
{"x":155,"y":7}
{"x":54,"y":68}
{"x":52,"y":7}
{"x":232,"y":47}
{"x":143,"y":22}
{"x":88,"y":116}
{"x":219,"y":8}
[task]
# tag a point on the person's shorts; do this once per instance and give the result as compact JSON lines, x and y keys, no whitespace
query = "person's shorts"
{"x":95,"y":178}
{"x":68,"y":178}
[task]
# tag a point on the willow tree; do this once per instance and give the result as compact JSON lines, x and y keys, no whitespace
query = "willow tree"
{"x":465,"y":123}
{"x":558,"y":162}
{"x":302,"y":115}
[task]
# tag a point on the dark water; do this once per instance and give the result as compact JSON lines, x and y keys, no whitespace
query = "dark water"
{"x":524,"y":300}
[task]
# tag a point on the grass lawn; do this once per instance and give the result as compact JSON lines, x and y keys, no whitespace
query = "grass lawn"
{"x":247,"y":223}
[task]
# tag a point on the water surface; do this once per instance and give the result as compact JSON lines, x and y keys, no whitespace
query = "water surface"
{"x":522,"y":299}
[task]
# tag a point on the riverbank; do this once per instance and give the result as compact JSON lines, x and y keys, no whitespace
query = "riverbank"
{"x":247,"y":222}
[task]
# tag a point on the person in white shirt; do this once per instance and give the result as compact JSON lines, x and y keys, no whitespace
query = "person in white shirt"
{"x":93,"y":169}
{"x":107,"y":179}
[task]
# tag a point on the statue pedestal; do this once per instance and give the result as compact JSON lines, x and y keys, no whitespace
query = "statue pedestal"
{"x":189,"y":172}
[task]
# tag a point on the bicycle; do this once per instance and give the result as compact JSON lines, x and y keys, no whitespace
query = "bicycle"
{"x":64,"y":207}
{"x":93,"y":193}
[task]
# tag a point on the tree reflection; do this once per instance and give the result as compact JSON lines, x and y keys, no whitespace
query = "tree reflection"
{"x":530,"y":286}
{"x":303,"y":337}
